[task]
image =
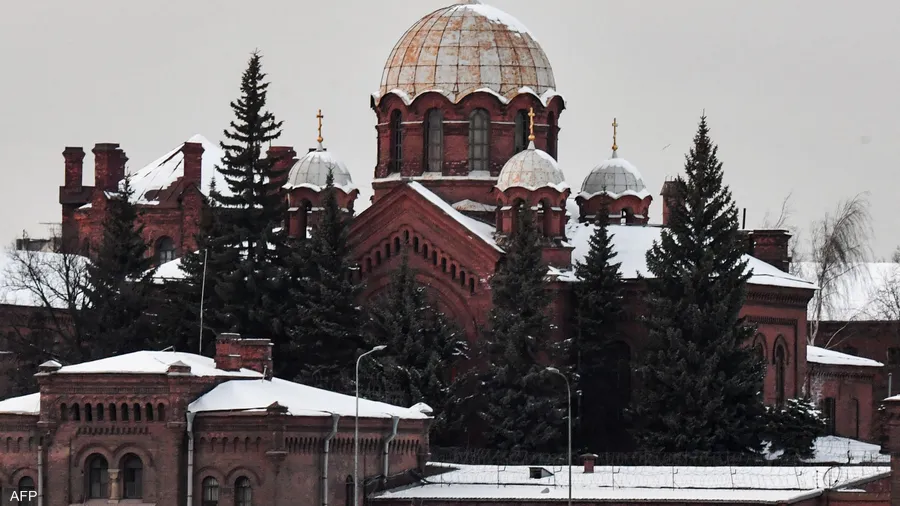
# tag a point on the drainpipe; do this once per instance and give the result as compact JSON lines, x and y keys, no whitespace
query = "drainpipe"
{"x":334,"y":428}
{"x":40,"y":483}
{"x":190,"y":465}
{"x":395,"y":421}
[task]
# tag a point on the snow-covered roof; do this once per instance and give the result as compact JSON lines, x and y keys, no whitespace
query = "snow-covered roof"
{"x":471,"y":205}
{"x":300,"y":400}
{"x":817,"y":355}
{"x":479,"y":175}
{"x":841,"y":450}
{"x":481,"y":230}
{"x":616,"y":177}
{"x":465,"y":48}
{"x":631,"y":243}
{"x":53,"y":279}
{"x":861,"y":292}
{"x":161,"y":173}
{"x":311,"y":171}
{"x":531,"y":169}
{"x":154,"y":362}
{"x":763,"y":485}
{"x":24,"y":405}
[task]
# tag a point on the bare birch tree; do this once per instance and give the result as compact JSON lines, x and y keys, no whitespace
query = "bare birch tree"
{"x":783,"y":221}
{"x":838,"y":248}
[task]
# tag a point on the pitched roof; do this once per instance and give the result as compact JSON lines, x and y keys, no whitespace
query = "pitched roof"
{"x":481,"y":230}
{"x":166,"y":170}
{"x":817,"y":355}
{"x":154,"y":362}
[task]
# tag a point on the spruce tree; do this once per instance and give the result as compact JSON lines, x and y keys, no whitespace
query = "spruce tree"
{"x":119,"y":281}
{"x":422,"y":346}
{"x":521,"y":405}
{"x":596,"y":349}
{"x":326,"y":321}
{"x":248,"y":251}
{"x":700,"y":382}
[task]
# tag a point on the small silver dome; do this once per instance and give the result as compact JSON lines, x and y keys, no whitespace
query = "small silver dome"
{"x":615,"y":176}
{"x":531,"y":169}
{"x":312,"y":170}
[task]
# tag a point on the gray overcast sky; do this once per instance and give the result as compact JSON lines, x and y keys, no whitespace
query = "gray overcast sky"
{"x":802,"y":95}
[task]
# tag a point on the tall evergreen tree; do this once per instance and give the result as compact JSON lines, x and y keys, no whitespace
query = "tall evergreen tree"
{"x":422,"y":346}
{"x":118,"y":284}
{"x":326,"y":332}
{"x":522,"y":407}
{"x":700,"y":382}
{"x":602,"y":370}
{"x":248,"y":250}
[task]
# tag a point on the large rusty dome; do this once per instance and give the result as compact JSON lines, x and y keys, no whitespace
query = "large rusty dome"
{"x":464,"y":48}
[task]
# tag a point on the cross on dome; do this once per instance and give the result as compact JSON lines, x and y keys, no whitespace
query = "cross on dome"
{"x":615,"y":146}
{"x":319,"y":117}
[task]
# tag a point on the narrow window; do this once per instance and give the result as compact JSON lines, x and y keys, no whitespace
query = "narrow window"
{"x":396,"y":127}
{"x":551,"y":135}
{"x":479,"y":140}
{"x":434,"y":140}
{"x":521,"y":130}
{"x":243,"y":494}
{"x":137,"y":412}
{"x":112,"y":412}
{"x":165,"y":250}
{"x":828,"y":409}
{"x":98,"y":478}
{"x":124,"y":412}
{"x":779,"y":375}
{"x":149,"y":412}
{"x":26,"y":487}
{"x":133,"y":478}
{"x":161,"y":412}
{"x":210,"y":491}
{"x":99,"y":412}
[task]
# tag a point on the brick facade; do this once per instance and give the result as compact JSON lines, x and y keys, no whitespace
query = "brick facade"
{"x":112,"y":423}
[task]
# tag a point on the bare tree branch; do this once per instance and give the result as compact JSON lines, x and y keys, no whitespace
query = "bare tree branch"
{"x":839,"y":246}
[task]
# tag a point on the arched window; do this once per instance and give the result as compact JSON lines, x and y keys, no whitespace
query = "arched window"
{"x":210,"y":491}
{"x":396,"y":127}
{"x":479,"y":140}
{"x":165,"y":250}
{"x":112,"y":412}
{"x":434,"y":141}
{"x":161,"y":412}
{"x":779,"y":375}
{"x":26,"y":485}
{"x":854,"y":412}
{"x":124,"y":412}
{"x":88,"y":413}
{"x":133,"y":478}
{"x":243,"y":494}
{"x":63,"y":413}
{"x":137,"y":412}
{"x":521,"y":130}
{"x":98,"y":478}
{"x":149,"y":412}
{"x":76,"y":413}
{"x":551,"y":134}
{"x":348,"y":491}
{"x":100,"y":412}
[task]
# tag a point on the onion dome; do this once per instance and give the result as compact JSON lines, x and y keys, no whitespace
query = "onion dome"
{"x":464,"y":48}
{"x":311,"y":171}
{"x":531,"y":169}
{"x":616,"y":177}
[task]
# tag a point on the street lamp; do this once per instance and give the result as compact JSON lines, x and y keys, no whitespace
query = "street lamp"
{"x":356,"y":428}
{"x":569,"y":401}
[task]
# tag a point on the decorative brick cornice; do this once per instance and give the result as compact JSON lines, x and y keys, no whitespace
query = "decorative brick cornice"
{"x":770,"y":320}
{"x":777,"y":297}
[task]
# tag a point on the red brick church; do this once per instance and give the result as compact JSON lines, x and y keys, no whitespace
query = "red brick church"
{"x":468,"y":119}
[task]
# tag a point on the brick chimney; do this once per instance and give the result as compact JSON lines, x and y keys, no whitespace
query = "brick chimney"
{"x":589,"y":459}
{"x":234,"y":354}
{"x":193,"y":163}
{"x":670,"y":196}
{"x":772,"y":247}
{"x":74,"y":167}
{"x":109,"y":166}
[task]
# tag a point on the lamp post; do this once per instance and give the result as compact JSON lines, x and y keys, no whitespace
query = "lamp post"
{"x":569,"y":403}
{"x":356,"y":428}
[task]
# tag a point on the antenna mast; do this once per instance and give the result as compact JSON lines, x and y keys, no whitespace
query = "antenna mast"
{"x":202,"y":298}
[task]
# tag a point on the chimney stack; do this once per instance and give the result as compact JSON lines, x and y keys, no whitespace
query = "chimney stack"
{"x":772,"y":247}
{"x":589,"y":459}
{"x":670,"y":197}
{"x":109,"y":166}
{"x":74,"y":167}
{"x":193,"y":163}
{"x":234,"y":354}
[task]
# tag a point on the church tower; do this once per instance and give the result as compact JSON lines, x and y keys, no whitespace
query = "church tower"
{"x":453,"y":104}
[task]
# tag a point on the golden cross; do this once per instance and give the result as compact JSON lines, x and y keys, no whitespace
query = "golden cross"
{"x":531,"y":125}
{"x":615,"y":126}
{"x":319,"y":116}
